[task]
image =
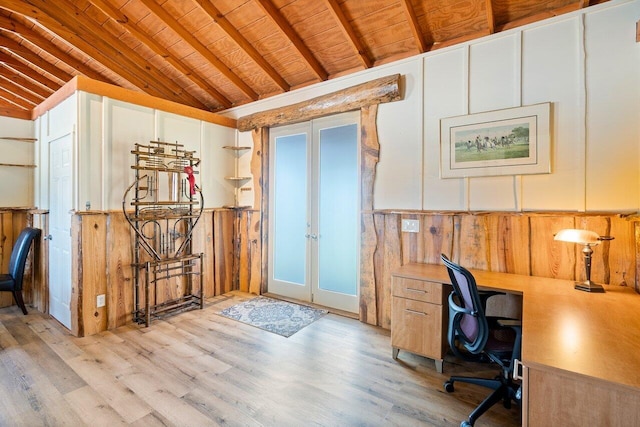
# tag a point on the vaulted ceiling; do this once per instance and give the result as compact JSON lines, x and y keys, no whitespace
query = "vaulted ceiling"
{"x":215,"y":54}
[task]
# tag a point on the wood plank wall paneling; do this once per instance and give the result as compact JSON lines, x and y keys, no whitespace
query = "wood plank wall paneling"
{"x":104,"y":243}
{"x":7,"y":239}
{"x":231,"y":241}
{"x":224,"y":257}
{"x":35,"y":284}
{"x":202,"y":243}
{"x":511,"y":242}
{"x":93,"y":279}
{"x":119,"y":271}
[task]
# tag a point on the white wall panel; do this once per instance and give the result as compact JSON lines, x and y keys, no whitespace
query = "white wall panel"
{"x":218,"y":163}
{"x":445,"y":95}
{"x":125,"y":124}
{"x":90,"y":148}
{"x":399,"y":173}
{"x":552,"y":67}
{"x":183,"y":130}
{"x":494,"y":84}
{"x":494,"y":74}
{"x":62,"y":119}
{"x":613,"y":108}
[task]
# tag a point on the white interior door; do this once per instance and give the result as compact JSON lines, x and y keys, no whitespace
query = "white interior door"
{"x":313,"y":211}
{"x":60,"y":206}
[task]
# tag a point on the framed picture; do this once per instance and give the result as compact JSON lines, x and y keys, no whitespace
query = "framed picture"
{"x":514,"y":141}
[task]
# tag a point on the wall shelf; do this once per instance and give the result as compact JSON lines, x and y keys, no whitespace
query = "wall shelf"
{"x":236,"y":148}
{"x":237,"y":181}
{"x":17,"y":166}
{"x":17,"y":138}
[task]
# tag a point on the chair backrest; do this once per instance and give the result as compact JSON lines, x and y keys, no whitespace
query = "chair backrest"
{"x":19,"y":254}
{"x":467,"y":321}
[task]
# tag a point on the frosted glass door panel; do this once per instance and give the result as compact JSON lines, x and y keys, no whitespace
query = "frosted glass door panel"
{"x":338,"y":209}
{"x":290,"y":210}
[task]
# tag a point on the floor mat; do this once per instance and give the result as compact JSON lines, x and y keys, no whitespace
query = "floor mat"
{"x":280,"y":317}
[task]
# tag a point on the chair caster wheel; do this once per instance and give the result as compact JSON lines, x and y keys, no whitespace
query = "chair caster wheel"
{"x":466,"y":424}
{"x":448,"y":387}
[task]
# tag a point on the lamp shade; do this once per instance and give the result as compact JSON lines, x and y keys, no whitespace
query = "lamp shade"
{"x":574,"y":235}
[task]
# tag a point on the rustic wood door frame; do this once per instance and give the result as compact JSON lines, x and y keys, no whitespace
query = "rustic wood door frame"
{"x":364,"y":97}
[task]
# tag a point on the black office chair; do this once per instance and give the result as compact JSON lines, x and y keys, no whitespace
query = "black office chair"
{"x":12,"y":282}
{"x":472,"y":333}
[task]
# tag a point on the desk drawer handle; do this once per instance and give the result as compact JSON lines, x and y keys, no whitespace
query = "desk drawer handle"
{"x":417,"y":290}
{"x":420,"y":313}
{"x":517,"y":370}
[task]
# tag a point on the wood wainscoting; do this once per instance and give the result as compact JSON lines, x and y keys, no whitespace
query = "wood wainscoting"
{"x":508,"y":242}
{"x":232,"y":243}
{"x":35,"y":286}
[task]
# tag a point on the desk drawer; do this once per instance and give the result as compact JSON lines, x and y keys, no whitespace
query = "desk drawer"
{"x":417,"y":327}
{"x":418,"y":290}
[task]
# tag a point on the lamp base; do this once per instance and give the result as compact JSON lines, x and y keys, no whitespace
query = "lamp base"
{"x":589,"y":286}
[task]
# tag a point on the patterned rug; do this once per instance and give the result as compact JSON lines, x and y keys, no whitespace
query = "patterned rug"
{"x":280,"y":317}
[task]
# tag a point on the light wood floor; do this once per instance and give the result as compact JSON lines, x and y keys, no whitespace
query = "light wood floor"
{"x":200,"y":369}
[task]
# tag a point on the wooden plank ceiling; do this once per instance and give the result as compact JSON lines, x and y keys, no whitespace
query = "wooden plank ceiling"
{"x":215,"y":54}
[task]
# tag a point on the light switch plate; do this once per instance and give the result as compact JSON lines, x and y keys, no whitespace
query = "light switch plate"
{"x":100,"y":301}
{"x":410,"y":225}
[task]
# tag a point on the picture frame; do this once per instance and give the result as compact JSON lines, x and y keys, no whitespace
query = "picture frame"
{"x":513,"y":141}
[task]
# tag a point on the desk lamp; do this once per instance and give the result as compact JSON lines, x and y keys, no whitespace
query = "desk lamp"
{"x":588,"y":239}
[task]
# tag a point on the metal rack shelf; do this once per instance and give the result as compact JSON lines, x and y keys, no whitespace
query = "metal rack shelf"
{"x":168,"y":275}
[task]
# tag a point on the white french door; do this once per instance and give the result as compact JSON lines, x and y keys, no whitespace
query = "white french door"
{"x":313,"y":211}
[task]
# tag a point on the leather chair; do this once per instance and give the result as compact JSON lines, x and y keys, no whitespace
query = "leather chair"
{"x":473,"y":336}
{"x":12,"y":282}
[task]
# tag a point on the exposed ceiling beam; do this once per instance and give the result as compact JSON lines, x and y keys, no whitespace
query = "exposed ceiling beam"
{"x":347,"y":29}
{"x":172,"y":23}
{"x":60,"y":24}
{"x":132,"y":28}
{"x":274,"y":14}
{"x":412,"y":20}
{"x":105,"y":48}
{"x":491,"y":24}
{"x":11,"y":110}
{"x":239,"y":39}
{"x":116,"y":50}
{"x":12,"y":98}
{"x":25,"y":82}
{"x":32,"y":60}
{"x":30,"y":54}
{"x":21,"y":91}
{"x":28,"y":71}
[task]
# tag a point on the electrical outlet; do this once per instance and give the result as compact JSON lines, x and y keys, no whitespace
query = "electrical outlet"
{"x":410,"y":225}
{"x":100,"y":301}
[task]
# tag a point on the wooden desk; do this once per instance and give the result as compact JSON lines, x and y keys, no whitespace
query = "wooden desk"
{"x":580,"y":351}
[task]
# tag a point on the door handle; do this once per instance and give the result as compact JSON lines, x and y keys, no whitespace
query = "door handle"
{"x":48,"y":237}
